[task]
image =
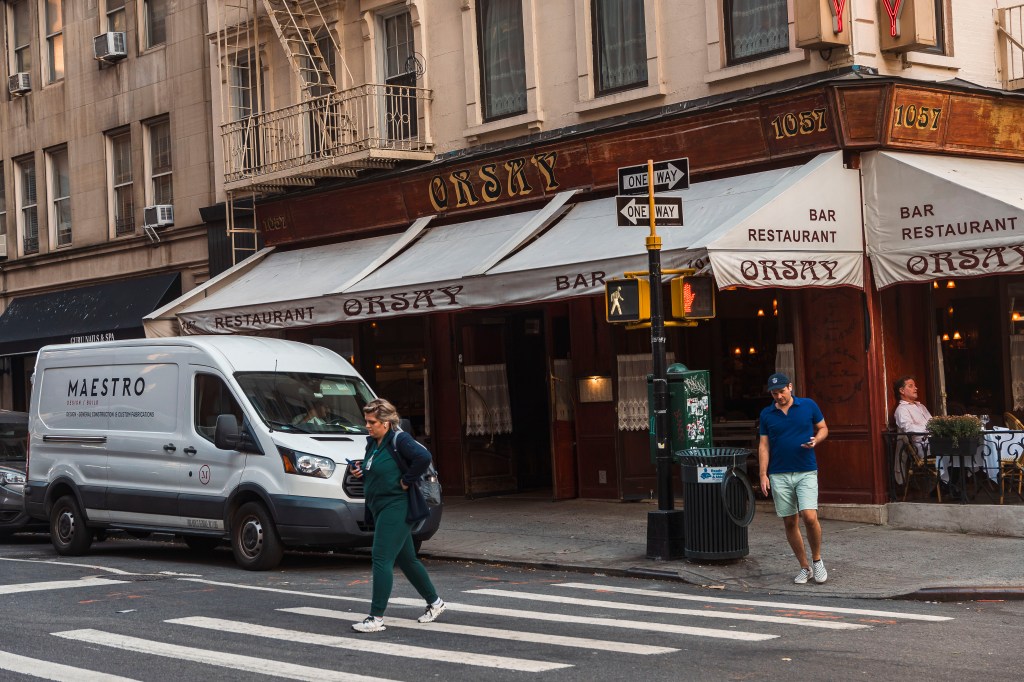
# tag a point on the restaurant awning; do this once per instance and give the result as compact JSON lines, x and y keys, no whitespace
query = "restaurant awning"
{"x":929,"y":217}
{"x":99,"y":312}
{"x":791,"y":227}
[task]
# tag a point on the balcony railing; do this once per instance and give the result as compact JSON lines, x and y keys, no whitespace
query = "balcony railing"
{"x":368,"y":126}
{"x":1011,"y":48}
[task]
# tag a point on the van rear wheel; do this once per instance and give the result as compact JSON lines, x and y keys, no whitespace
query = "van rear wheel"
{"x":68,"y":533}
{"x":254,"y":539}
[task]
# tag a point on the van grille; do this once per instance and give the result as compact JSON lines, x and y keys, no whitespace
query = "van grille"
{"x":353,"y":486}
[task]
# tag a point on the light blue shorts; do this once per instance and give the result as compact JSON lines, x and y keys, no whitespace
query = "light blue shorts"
{"x":793,"y":492}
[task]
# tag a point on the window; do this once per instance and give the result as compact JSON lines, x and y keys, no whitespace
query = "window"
{"x":155,"y":29}
{"x":245,"y":103}
{"x":121,"y":186}
{"x":53,"y":17}
{"x":756,"y":29}
{"x":3,"y":202}
{"x":400,"y":74}
{"x":116,"y":19}
{"x":620,"y":45}
{"x":28,"y":218}
{"x":940,"y":29}
{"x":20,"y":26}
{"x":212,"y":399}
{"x":60,"y":196}
{"x":502,"y":58}
{"x":159,"y":157}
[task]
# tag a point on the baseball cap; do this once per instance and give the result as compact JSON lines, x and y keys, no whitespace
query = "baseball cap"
{"x":777,"y":380}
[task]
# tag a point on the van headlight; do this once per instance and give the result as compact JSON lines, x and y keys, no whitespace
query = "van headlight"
{"x":11,"y":478}
{"x":305,"y":464}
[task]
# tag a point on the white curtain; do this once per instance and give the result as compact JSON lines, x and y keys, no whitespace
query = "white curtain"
{"x":632,"y":405}
{"x":1017,"y":370}
{"x":757,"y":27}
{"x":620,"y":43}
{"x":487,"y":404}
{"x":563,"y":390}
{"x":785,"y":362}
{"x":503,"y":56}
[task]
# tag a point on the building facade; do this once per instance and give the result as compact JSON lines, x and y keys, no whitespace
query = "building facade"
{"x":105,"y":163}
{"x":429,"y":191}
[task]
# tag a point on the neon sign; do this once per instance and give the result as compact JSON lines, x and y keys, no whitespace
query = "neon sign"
{"x":894,"y":9}
{"x":837,"y":7}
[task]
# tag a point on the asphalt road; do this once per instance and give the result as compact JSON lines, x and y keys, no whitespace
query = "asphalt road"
{"x":156,"y":611}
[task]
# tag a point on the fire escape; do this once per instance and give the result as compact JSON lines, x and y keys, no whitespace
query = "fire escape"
{"x":331,"y":132}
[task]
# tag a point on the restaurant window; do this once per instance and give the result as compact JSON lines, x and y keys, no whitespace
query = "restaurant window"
{"x":53,"y":18}
{"x":969,"y":327}
{"x":155,"y":26}
{"x":122,"y":203}
{"x":158,"y":162}
{"x":502,"y":58}
{"x":59,"y":172}
{"x":19,"y":39}
{"x":620,"y":45}
{"x":114,"y":16}
{"x":28,"y":216}
{"x":755,"y":29}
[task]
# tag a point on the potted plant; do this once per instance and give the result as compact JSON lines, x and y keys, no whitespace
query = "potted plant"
{"x":954,"y":435}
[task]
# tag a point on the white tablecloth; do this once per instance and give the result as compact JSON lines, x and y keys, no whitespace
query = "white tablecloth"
{"x":987,"y":455}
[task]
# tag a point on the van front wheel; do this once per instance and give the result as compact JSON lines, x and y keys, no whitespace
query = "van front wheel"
{"x":68,"y":533}
{"x":254,"y":538}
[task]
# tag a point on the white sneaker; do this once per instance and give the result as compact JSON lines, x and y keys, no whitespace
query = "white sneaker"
{"x":802,"y":577}
{"x":369,"y":624}
{"x":432,"y":612}
{"x":820,"y":574}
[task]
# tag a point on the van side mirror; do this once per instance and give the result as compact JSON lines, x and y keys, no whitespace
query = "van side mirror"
{"x":226,"y":435}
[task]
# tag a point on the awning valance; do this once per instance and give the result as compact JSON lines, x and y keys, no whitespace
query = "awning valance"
{"x":791,"y":227}
{"x":929,"y":217}
{"x":99,"y":312}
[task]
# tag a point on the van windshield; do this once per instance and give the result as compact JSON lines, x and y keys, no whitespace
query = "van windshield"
{"x":307,"y":403}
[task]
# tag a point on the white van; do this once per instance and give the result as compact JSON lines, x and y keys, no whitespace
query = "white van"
{"x":208,"y":437}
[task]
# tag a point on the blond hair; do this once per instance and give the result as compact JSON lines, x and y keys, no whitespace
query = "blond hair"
{"x":382,"y":411}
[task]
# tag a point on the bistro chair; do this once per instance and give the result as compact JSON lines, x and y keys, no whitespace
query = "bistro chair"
{"x":1011,"y":469}
{"x":919,"y":464}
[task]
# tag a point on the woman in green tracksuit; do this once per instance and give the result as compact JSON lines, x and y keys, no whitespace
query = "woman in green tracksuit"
{"x":388,"y":501}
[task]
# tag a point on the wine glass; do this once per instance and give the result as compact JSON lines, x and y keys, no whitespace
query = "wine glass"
{"x":984,"y":421}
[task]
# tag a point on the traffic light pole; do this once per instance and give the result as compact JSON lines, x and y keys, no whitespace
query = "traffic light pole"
{"x":665,"y":526}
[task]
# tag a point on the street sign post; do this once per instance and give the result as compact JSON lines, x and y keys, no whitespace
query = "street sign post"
{"x":668,"y":175}
{"x":630,"y":211}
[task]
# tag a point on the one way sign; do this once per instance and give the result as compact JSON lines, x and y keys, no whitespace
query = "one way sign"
{"x":632,"y":211}
{"x":668,"y":175}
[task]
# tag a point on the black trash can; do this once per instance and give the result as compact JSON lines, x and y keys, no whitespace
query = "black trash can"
{"x":718,"y":502}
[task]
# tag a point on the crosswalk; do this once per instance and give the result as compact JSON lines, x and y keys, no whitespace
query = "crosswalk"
{"x":536,"y":629}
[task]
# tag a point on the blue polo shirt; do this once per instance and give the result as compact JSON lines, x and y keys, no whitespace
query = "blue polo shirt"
{"x":786,"y":432}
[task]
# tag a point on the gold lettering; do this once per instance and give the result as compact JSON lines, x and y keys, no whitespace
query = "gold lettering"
{"x":517,"y":182}
{"x":438,"y":193}
{"x":465,"y":195}
{"x":492,"y":185}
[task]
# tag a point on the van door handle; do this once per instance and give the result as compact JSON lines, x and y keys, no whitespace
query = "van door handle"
{"x":190,"y":451}
{"x":169,"y":447}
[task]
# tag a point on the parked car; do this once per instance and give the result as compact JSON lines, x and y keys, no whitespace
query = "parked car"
{"x":13,"y":441}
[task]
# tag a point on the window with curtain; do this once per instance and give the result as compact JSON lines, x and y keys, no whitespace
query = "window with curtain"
{"x":28,"y":216}
{"x":620,"y":45}
{"x":54,"y":27}
{"x":60,"y":195}
{"x":488,"y":409}
{"x":632,"y":405}
{"x":121,"y":183}
{"x":116,"y":19}
{"x":502,"y":58}
{"x":756,"y":29}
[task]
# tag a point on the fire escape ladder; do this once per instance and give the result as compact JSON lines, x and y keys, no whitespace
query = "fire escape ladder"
{"x":242,"y":228}
{"x":300,"y":45}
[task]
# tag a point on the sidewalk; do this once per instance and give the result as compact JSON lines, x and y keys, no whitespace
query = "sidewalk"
{"x":864,"y":560}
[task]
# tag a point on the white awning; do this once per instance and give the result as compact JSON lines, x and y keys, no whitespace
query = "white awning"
{"x":930,"y":217}
{"x":791,"y":227}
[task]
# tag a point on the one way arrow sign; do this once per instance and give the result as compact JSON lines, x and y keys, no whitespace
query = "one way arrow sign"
{"x":668,"y":175}
{"x":633,"y":211}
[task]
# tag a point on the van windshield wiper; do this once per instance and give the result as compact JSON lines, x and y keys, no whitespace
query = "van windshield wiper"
{"x":285,"y":426}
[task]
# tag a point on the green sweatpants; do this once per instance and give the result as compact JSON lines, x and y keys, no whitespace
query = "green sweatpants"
{"x":392,"y":544}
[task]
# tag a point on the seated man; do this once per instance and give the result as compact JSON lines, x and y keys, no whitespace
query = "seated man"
{"x":316,"y":414}
{"x":911,"y":415}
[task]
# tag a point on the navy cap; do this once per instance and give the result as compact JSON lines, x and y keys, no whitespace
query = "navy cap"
{"x":776,"y":381}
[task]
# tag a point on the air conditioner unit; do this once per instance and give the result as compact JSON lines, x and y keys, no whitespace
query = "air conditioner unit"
{"x":110,"y":47}
{"x":19,"y":83}
{"x":3,"y":247}
{"x":161,"y":215}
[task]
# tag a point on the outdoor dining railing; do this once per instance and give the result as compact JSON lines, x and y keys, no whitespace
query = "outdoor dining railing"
{"x":992,"y":474}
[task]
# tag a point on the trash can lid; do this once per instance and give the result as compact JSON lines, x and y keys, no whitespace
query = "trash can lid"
{"x":713,"y":456}
{"x":676,"y":368}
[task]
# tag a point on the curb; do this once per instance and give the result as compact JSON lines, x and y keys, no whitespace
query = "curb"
{"x":979,"y":593}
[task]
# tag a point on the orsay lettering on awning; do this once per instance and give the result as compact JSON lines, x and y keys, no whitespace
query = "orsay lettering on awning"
{"x":812,"y":270}
{"x":967,"y":261}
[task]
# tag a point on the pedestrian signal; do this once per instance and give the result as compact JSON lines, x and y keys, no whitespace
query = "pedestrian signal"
{"x":627,"y":300}
{"x":693,"y":297}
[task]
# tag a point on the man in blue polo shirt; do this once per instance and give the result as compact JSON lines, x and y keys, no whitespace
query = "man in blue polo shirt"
{"x":790,"y":428}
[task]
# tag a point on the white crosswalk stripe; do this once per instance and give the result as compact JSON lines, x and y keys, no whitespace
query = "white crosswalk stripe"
{"x":599,"y":603}
{"x":497,"y":633}
{"x":368,"y":645}
{"x":749,"y":602}
{"x":45,"y":670}
{"x":57,"y":585}
{"x":252,"y":664}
